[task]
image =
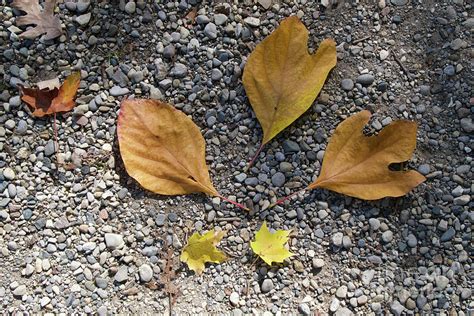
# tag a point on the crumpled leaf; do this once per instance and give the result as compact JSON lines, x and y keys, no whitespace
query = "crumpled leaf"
{"x":162,"y":148}
{"x":202,"y":249}
{"x":358,"y":166}
{"x":44,"y":19}
{"x":282,"y":79}
{"x":271,"y":246}
{"x":49,"y":101}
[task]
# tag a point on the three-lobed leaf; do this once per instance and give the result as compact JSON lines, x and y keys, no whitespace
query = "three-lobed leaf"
{"x":162,"y":148}
{"x":201,"y":249}
{"x":271,"y":246}
{"x":49,"y":101}
{"x":358,"y":165}
{"x":282,"y":79}
{"x":44,"y":19}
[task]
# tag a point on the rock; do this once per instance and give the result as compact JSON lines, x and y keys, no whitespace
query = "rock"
{"x":387,"y":236}
{"x":83,"y":19}
{"x":169,"y":51}
{"x":367,"y":276}
{"x":82,"y":5}
{"x":290,"y":146}
{"x":267,"y":285}
{"x":210,"y":30}
{"x":374,"y":223}
{"x":241,"y":177}
{"x":335,"y":303}
{"x":9,"y":174}
{"x":278,"y":179}
{"x":396,"y":308}
{"x":347,"y":84}
{"x":251,"y":21}
{"x":412,"y":241}
{"x":145,"y":272}
{"x":220,"y":18}
{"x":462,"y":200}
{"x":304,"y":309}
{"x":44,"y":301}
{"x":441,"y":282}
{"x":216,"y":74}
{"x":298,"y":266}
{"x":117,"y":91}
{"x":467,"y":125}
{"x":234,"y":298}
{"x":424,"y":169}
{"x":343,"y":311}
{"x":121,"y":275}
{"x":383,"y":54}
{"x":130,"y":7}
{"x":318,"y":263}
{"x":448,"y":235}
{"x":114,"y":241}
{"x":20,"y":290}
{"x":179,"y":70}
{"x":341,"y":292}
{"x":399,"y":2}
{"x":265,"y":3}
{"x":337,"y":239}
{"x":365,"y":79}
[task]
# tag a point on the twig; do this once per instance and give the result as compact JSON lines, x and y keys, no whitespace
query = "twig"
{"x":56,"y":141}
{"x":228,"y":219}
{"x":361,"y":39}
{"x":254,"y":158}
{"x":398,"y":61}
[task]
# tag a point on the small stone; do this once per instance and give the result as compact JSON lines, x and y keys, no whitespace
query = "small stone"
{"x":216,"y":74}
{"x":117,"y":91}
{"x":251,"y":21}
{"x":462,"y":200}
{"x":179,"y":70}
{"x":83,"y":19}
{"x":44,"y":301}
{"x":278,"y":179}
{"x":220,"y":18}
{"x":424,"y":169}
{"x":396,"y":308}
{"x":318,"y":263}
{"x":265,"y":3}
{"x":145,"y":272}
{"x":130,"y":7}
{"x":20,"y":291}
{"x":387,"y":236}
{"x":290,"y":146}
{"x":383,"y":54}
{"x":334,"y":305}
{"x":399,"y":2}
{"x":467,"y":125}
{"x":169,"y":51}
{"x":341,"y":292}
{"x":412,"y":241}
{"x":121,"y":275}
{"x":374,"y":223}
{"x":449,"y":70}
{"x":448,"y":235}
{"x":241,"y":177}
{"x":337,"y":239}
{"x":347,"y":84}
{"x":210,"y":30}
{"x":298,"y":266}
{"x":365,"y":79}
{"x":367,"y":276}
{"x":114,"y":241}
{"x":267,"y":285}
{"x":102,"y":311}
{"x":9,"y":174}
{"x":441,"y":282}
{"x":304,"y":309}
{"x":234,"y":298}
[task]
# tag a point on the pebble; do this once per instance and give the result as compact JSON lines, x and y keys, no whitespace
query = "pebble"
{"x":304,"y":309}
{"x":114,"y":241}
{"x":341,"y":292}
{"x":210,"y":30}
{"x":20,"y":290}
{"x":9,"y":174}
{"x":121,"y":275}
{"x":252,"y":21}
{"x":337,"y":239}
{"x":145,"y":272}
{"x":278,"y":179}
{"x":117,"y":91}
{"x":234,"y":298}
{"x":130,"y":7}
{"x":383,"y":54}
{"x":83,"y":19}
{"x":347,"y":84}
{"x":267,"y":285}
{"x":365,"y":79}
{"x":318,"y":263}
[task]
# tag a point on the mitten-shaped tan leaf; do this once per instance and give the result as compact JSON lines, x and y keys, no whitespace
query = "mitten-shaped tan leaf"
{"x":162,"y":148}
{"x":202,"y":249}
{"x":282,"y":79}
{"x":271,"y":246}
{"x":44,"y":19}
{"x":357,"y":165}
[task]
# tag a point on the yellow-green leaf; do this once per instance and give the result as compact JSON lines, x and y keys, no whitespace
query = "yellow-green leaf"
{"x":271,"y":246}
{"x":282,"y":79}
{"x":162,"y":148}
{"x":357,"y":165}
{"x":202,"y":249}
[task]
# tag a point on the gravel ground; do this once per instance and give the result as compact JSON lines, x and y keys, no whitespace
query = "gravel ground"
{"x":80,"y":236}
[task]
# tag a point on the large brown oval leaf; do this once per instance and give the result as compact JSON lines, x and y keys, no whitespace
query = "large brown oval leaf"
{"x":282,"y":79}
{"x":162,"y":148}
{"x":357,"y":165}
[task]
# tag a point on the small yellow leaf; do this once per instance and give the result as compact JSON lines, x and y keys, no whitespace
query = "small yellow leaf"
{"x":202,"y":249}
{"x":162,"y":148}
{"x":282,"y":79}
{"x":271,"y":246}
{"x":357,"y":165}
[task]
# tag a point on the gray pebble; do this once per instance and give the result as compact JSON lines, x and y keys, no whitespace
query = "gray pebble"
{"x":130,"y":7}
{"x":145,"y":272}
{"x":278,"y":179}
{"x":365,"y":79}
{"x":114,"y":241}
{"x":121,"y":275}
{"x":347,"y":84}
{"x":117,"y":91}
{"x":211,"y":30}
{"x":267,"y":285}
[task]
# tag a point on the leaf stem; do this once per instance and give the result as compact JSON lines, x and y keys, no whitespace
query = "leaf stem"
{"x":56,"y":142}
{"x":254,"y":158}
{"x":233,"y":202}
{"x":280,"y":201}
